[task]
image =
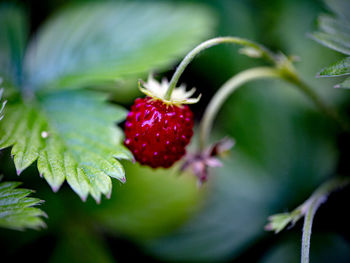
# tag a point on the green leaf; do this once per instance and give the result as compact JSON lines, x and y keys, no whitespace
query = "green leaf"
{"x":99,"y":42}
{"x":340,"y":68}
{"x":13,"y":37}
{"x":16,"y":208}
{"x":340,"y":43}
{"x":345,"y":84}
{"x":334,"y":33}
{"x":72,"y":135}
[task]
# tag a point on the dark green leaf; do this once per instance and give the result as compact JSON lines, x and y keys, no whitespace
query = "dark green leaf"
{"x":72,"y":135}
{"x":16,"y":208}
{"x":99,"y":42}
{"x":340,"y":68}
{"x":13,"y":36}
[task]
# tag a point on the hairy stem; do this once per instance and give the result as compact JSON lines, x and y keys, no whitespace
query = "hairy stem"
{"x":225,"y":91}
{"x":207,"y":44}
{"x":310,"y":207}
{"x":283,"y":69}
{"x":309,"y":217}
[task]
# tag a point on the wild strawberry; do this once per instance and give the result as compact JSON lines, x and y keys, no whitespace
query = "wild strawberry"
{"x":158,"y":130}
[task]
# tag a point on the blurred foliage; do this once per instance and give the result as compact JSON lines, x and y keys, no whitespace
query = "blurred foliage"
{"x":150,"y":204}
{"x":104,"y":42}
{"x":245,"y":193}
{"x":78,"y":244}
{"x":334,"y":33}
{"x":13,"y":39}
{"x":284,"y":149}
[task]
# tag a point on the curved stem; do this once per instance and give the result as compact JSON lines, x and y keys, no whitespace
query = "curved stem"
{"x":283,"y":69}
{"x":223,"y":93}
{"x":308,"y":220}
{"x":284,"y":73}
{"x":207,"y":44}
{"x":310,"y":207}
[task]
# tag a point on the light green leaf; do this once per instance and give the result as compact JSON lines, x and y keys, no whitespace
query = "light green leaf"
{"x":13,"y":37}
{"x":340,"y":68}
{"x":340,"y":43}
{"x":16,"y":208}
{"x":99,"y":42}
{"x":73,"y":136}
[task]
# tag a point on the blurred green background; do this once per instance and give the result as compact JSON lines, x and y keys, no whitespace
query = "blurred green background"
{"x":285,"y":148}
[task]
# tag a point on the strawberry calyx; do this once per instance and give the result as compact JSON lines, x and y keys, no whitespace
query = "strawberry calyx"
{"x":157,"y":90}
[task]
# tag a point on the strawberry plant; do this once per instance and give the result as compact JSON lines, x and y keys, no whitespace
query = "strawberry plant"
{"x":180,"y":173}
{"x":49,"y":119}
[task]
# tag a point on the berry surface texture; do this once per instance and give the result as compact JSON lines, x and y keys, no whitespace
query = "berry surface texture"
{"x":158,"y":133}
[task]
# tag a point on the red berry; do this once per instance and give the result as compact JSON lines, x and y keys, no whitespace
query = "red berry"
{"x":157,"y":133}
